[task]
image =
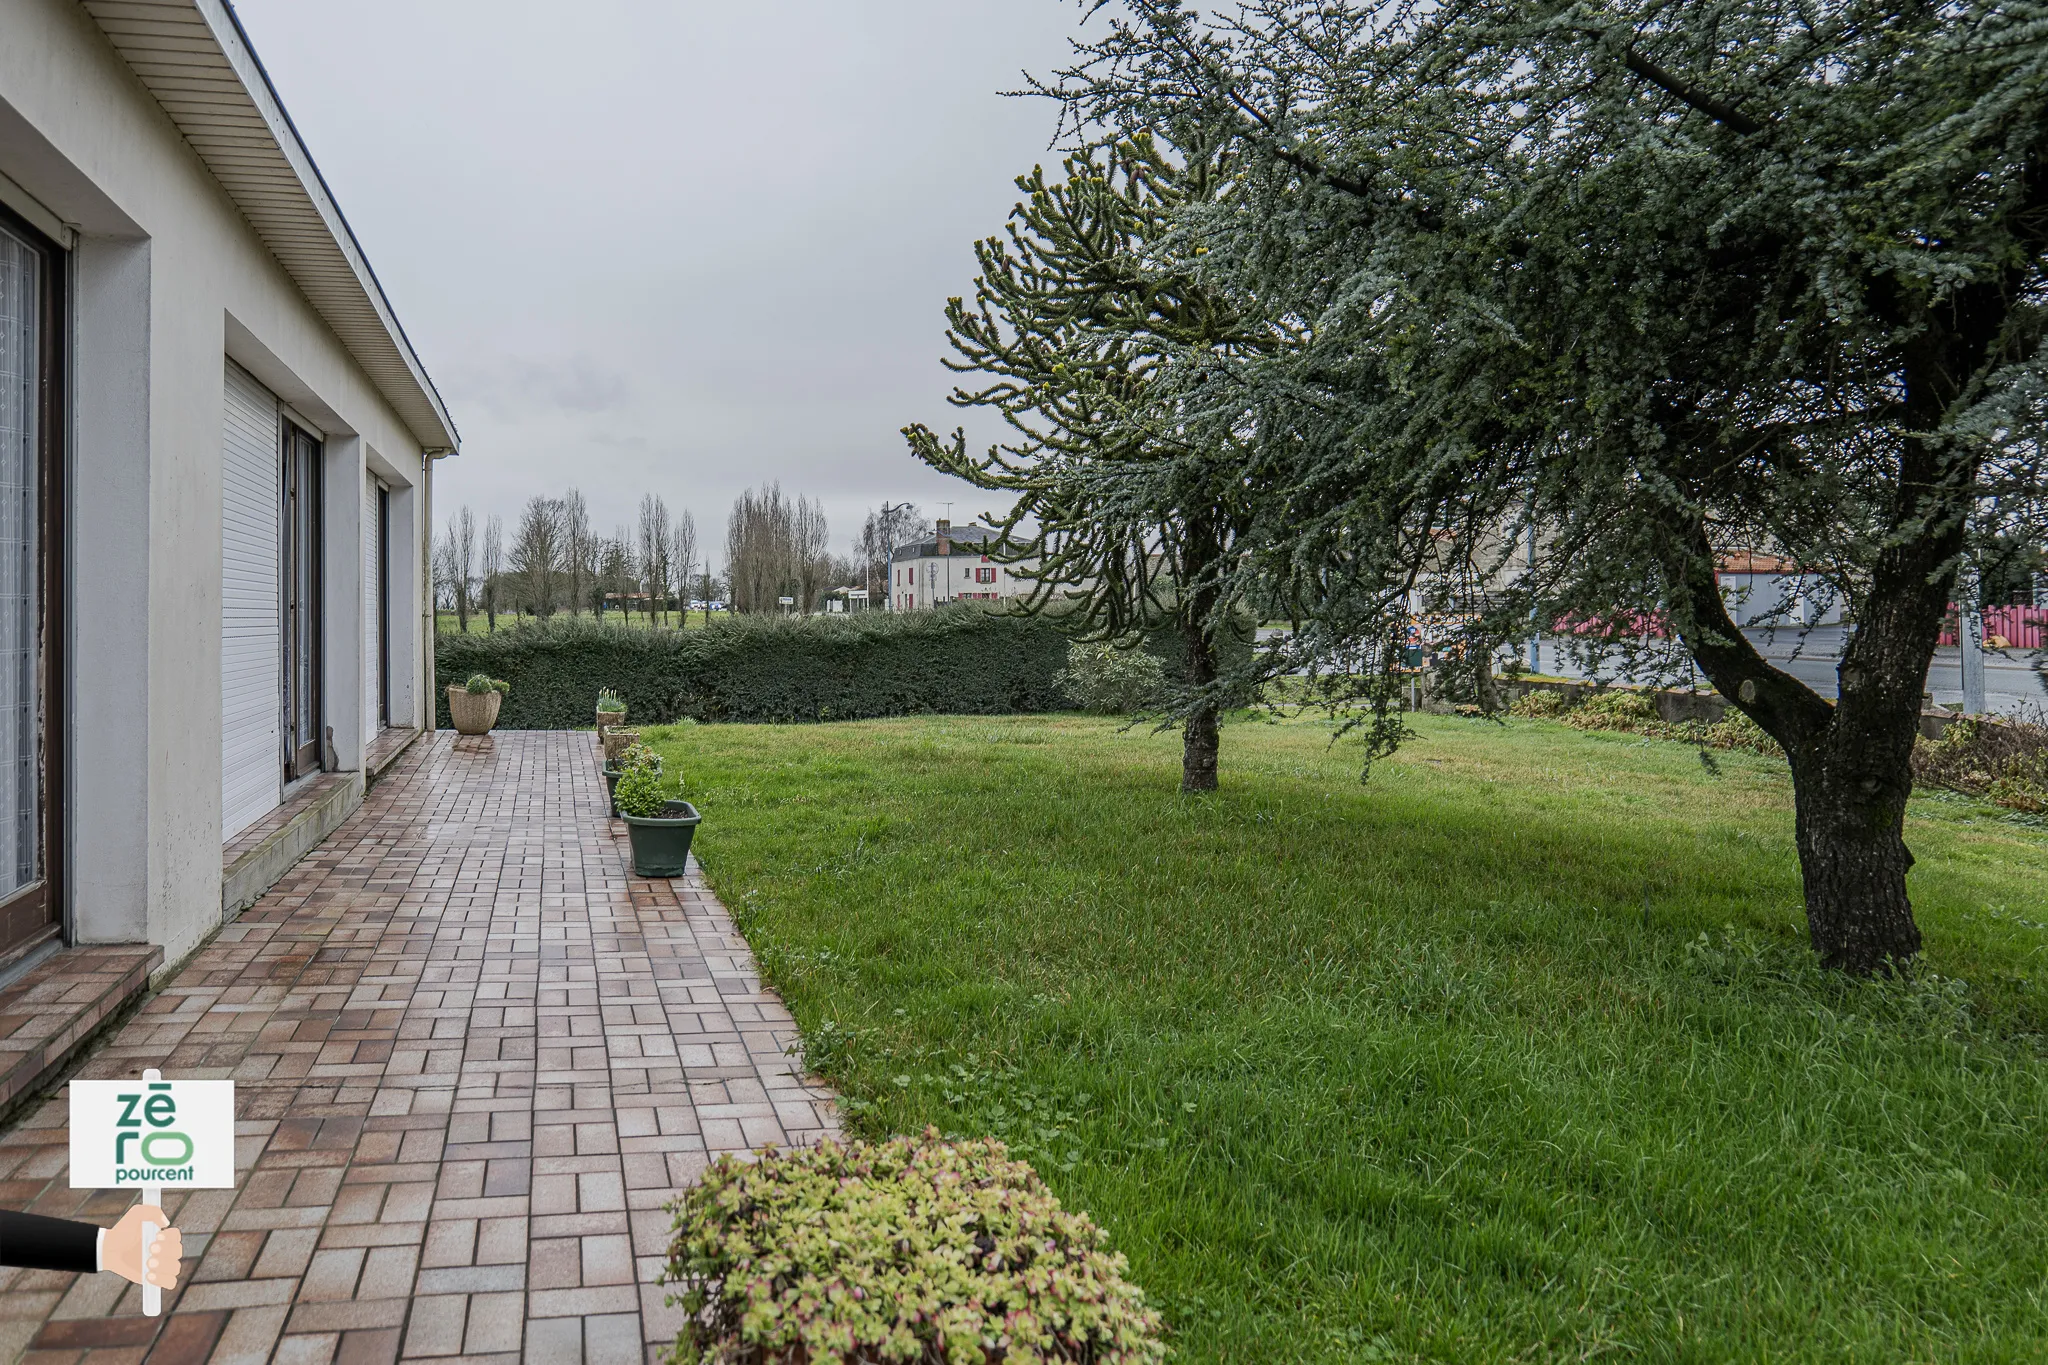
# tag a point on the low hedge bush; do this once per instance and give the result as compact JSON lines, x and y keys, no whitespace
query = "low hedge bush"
{"x":2003,"y":761}
{"x":755,"y":669}
{"x":916,"y":1251}
{"x":1635,"y":713}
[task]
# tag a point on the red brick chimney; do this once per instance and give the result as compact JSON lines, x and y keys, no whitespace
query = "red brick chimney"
{"x":945,"y":537}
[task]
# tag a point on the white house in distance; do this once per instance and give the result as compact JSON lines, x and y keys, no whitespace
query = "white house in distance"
{"x":951,"y":567}
{"x":216,"y":453}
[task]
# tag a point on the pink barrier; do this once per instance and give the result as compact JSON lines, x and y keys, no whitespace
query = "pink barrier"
{"x":2006,"y":628}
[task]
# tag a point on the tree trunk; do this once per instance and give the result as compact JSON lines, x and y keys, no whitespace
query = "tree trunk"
{"x":1852,"y":762}
{"x":1850,"y":821}
{"x":1200,"y":737}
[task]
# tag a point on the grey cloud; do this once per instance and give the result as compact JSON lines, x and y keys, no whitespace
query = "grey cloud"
{"x":674,"y":248}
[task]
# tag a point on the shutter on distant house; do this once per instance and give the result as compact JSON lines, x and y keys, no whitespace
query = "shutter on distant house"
{"x":251,"y":629}
{"x":373,"y":662}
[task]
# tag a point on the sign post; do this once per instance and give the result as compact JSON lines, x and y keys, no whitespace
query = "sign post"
{"x":147,"y":1134}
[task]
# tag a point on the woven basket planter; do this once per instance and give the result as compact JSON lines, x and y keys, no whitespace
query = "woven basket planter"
{"x":474,"y":713}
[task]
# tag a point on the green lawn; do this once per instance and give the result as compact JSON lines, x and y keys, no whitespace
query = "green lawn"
{"x":1514,"y":1052}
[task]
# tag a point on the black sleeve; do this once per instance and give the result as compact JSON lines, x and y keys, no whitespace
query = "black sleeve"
{"x":33,"y":1242}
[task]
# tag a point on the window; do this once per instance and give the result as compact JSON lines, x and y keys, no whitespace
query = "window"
{"x":984,"y":575}
{"x":30,"y":443}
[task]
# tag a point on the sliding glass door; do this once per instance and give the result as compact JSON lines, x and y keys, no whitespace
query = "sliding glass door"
{"x":29,"y":441}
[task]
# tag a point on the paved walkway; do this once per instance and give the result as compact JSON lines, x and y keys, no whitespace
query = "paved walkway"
{"x":473,"y":1058}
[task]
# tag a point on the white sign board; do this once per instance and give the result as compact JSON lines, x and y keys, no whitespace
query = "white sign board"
{"x":129,"y":1134}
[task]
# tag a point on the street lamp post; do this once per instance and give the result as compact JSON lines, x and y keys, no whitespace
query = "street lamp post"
{"x":888,"y":522}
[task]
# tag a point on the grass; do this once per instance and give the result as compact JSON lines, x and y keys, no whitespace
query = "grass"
{"x":1513,"y":1053}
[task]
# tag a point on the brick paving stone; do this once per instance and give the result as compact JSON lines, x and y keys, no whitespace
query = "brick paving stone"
{"x":473,"y":1057}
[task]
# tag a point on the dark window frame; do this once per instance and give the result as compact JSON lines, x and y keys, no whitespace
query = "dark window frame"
{"x":383,"y":606}
{"x":41,"y":910}
{"x":305,"y":757}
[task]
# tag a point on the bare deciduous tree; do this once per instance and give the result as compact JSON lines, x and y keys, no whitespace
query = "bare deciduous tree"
{"x":578,"y":547}
{"x":493,"y":566}
{"x":774,"y":548}
{"x":444,"y":573}
{"x":886,"y":528}
{"x":656,"y":531}
{"x":682,"y":547}
{"x":537,"y":554}
{"x":462,"y":563}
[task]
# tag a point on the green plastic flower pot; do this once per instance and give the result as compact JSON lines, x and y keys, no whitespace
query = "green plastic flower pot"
{"x":661,"y":845}
{"x":611,"y":787}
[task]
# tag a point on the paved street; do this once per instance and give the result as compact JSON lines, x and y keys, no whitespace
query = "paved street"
{"x":473,"y":1059}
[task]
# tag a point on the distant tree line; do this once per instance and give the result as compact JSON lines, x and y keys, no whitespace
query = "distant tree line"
{"x":776,"y":546}
{"x":554,"y":562}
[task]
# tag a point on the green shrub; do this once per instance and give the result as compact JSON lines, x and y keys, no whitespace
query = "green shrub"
{"x":1112,"y":680}
{"x":2003,"y":761}
{"x":1635,"y":713}
{"x":1737,"y":731}
{"x":912,"y":1250}
{"x":639,"y":792}
{"x":480,"y":683}
{"x":1541,"y":702}
{"x":638,"y":755}
{"x":958,"y":660}
{"x":1624,"y":710}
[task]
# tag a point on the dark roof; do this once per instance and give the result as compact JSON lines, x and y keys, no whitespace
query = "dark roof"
{"x":959,"y":535}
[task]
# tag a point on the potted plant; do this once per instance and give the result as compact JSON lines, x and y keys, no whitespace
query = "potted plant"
{"x":617,"y":742}
{"x":473,"y":705}
{"x":633,"y":756}
{"x":659,"y":829}
{"x":611,"y":710}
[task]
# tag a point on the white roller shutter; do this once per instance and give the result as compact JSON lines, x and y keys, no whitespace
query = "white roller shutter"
{"x":251,"y":630}
{"x":372,"y":637}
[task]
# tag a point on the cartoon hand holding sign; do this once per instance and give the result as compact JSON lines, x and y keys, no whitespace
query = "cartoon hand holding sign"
{"x":145,"y":1135}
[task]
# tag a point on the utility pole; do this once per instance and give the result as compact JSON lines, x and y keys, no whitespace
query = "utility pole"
{"x":1535,"y":633}
{"x":1970,"y":639}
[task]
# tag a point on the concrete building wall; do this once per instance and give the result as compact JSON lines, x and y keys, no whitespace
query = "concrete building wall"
{"x":168,"y":278}
{"x":923,"y":582}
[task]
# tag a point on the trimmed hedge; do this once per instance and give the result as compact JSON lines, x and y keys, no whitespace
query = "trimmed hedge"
{"x":752,"y":669}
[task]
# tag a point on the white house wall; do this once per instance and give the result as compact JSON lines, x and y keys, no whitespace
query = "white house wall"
{"x":168,"y":281}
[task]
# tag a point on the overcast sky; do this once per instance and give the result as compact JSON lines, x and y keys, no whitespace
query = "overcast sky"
{"x":675,"y":247}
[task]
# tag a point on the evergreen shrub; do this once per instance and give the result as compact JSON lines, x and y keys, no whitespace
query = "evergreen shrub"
{"x":913,"y":1250}
{"x":765,"y":669}
{"x":639,"y":792}
{"x":1111,"y":680}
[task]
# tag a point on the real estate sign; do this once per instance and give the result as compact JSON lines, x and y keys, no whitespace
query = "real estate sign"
{"x":128,"y":1134}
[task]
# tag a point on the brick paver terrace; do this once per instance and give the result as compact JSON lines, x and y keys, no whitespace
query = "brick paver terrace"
{"x":473,"y":1058}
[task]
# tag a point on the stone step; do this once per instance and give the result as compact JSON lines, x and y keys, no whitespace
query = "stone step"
{"x":50,"y":1012}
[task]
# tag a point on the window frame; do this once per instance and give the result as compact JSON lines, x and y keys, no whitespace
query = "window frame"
{"x":40,"y":910}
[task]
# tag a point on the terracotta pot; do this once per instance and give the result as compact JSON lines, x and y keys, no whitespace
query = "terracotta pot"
{"x":474,"y":713}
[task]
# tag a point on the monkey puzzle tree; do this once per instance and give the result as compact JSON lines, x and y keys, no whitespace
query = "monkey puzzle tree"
{"x":1131,"y":510}
{"x":1660,"y":282}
